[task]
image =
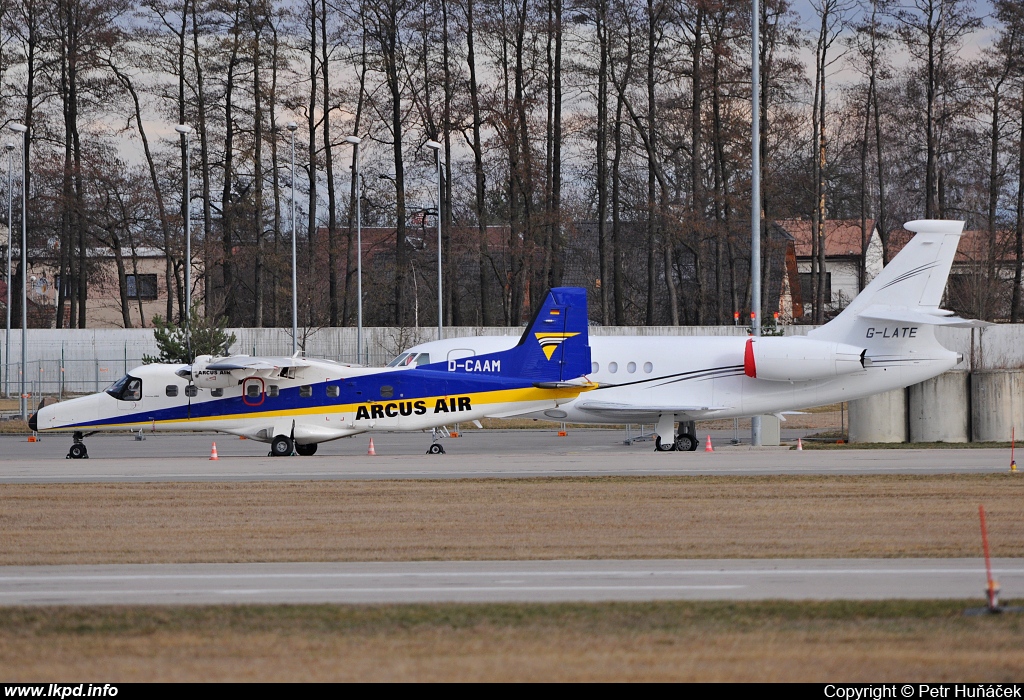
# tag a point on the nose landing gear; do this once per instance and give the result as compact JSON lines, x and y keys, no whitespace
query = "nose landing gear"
{"x":78,"y":449}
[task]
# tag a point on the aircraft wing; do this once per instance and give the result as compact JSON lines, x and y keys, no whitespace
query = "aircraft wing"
{"x":256,"y":364}
{"x":627,"y":410}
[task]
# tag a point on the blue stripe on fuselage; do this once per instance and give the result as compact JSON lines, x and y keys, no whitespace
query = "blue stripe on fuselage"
{"x":406,"y":384}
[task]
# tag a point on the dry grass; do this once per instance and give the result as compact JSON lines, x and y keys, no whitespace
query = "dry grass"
{"x":666,"y":641}
{"x":575,"y":518}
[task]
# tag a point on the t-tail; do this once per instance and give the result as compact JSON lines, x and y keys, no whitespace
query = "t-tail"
{"x":902,"y":302}
{"x":554,"y":350}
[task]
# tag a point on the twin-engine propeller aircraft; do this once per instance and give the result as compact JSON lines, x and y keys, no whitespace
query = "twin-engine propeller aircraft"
{"x":298,"y":403}
{"x":883,"y":340}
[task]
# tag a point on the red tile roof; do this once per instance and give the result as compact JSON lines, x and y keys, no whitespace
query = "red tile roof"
{"x":842,"y":236}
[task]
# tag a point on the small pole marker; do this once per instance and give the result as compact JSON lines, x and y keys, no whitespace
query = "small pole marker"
{"x":1013,"y":441}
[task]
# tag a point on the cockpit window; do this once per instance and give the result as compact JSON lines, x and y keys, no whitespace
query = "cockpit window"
{"x":400,"y":361}
{"x":127,"y":388}
{"x":411,"y":359}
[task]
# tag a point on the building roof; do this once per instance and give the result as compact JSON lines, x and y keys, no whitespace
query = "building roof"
{"x":842,"y":236}
{"x":973,"y":248}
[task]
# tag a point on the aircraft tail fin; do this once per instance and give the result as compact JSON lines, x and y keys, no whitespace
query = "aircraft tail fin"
{"x":908,"y":290}
{"x":555,"y":347}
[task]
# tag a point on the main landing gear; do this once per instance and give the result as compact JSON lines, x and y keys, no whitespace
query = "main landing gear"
{"x":78,"y":449}
{"x":686,"y":440}
{"x":284,"y":446}
{"x":436,"y":448}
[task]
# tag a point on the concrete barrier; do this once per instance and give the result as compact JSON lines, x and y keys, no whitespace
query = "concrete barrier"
{"x":997,"y":405}
{"x":879,"y":418}
{"x":939,"y":409}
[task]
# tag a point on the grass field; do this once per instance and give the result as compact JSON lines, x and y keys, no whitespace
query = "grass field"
{"x":665,"y":641}
{"x":547,"y":518}
{"x":612,"y":517}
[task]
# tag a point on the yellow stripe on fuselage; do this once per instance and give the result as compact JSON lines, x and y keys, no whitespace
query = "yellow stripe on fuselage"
{"x":477,"y":399}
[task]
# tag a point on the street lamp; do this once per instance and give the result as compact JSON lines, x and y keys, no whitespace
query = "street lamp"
{"x":436,"y":147}
{"x":10,"y":237}
{"x":186,"y":131}
{"x":23,"y":130}
{"x":355,"y":141}
{"x":292,"y":126}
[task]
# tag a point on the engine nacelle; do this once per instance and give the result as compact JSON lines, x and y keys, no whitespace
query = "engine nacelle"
{"x":798,"y":359}
{"x":211,"y":378}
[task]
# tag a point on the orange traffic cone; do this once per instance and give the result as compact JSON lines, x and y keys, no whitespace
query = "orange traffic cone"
{"x":799,"y":445}
{"x":372,"y":452}
{"x":213,"y":453}
{"x":707,"y":446}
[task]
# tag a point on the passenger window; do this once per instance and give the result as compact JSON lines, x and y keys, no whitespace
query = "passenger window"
{"x":648,"y":367}
{"x":216,"y":392}
{"x":594,"y":368}
{"x":332,"y":391}
{"x":613,"y":367}
{"x":273,"y":390}
{"x":631,"y":367}
{"x":252,"y":391}
{"x":386,"y":392}
{"x":305,"y":391}
{"x":191,"y":390}
{"x":171,"y":390}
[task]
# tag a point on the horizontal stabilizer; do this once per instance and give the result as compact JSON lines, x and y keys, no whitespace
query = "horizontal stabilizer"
{"x":903,"y":314}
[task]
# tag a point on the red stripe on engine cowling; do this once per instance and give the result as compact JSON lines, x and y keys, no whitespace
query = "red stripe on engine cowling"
{"x":749,"y":368}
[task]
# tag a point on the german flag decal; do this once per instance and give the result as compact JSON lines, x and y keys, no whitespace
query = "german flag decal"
{"x":550,"y":341}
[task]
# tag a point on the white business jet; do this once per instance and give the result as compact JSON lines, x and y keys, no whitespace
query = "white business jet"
{"x":883,"y":340}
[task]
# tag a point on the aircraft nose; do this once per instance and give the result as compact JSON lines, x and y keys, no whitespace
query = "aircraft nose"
{"x":33,"y":424}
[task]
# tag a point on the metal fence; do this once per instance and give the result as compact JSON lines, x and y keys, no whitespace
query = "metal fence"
{"x":63,"y":362}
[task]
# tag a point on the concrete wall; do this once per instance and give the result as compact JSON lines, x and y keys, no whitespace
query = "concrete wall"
{"x":997,"y":405}
{"x":939,"y":409}
{"x":879,"y":418}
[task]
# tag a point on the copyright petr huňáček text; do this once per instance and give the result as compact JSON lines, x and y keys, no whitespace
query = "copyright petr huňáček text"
{"x":923,"y":690}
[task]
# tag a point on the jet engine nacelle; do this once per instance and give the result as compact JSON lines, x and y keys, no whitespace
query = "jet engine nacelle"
{"x":211,"y":378}
{"x":801,"y":359}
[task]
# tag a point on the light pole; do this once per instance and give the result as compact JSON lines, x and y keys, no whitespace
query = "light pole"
{"x":186,"y":131}
{"x":436,"y":147}
{"x":755,"y":192}
{"x":23,"y":130}
{"x":10,"y":240}
{"x":355,"y":141}
{"x":292,"y":126}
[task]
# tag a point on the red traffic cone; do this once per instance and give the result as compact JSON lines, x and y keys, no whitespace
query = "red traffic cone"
{"x":799,"y":445}
{"x":707,"y":445}
{"x":213,"y":453}
{"x":372,"y":452}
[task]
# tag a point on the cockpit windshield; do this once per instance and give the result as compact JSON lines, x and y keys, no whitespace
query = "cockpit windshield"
{"x":411,"y":359}
{"x":127,"y":388}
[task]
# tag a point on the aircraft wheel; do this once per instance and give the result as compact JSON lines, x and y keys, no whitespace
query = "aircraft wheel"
{"x":281,"y":446}
{"x":659,"y":446}
{"x":78,"y":451}
{"x":686,"y":443}
{"x":435,"y":449}
{"x":306,"y":450}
